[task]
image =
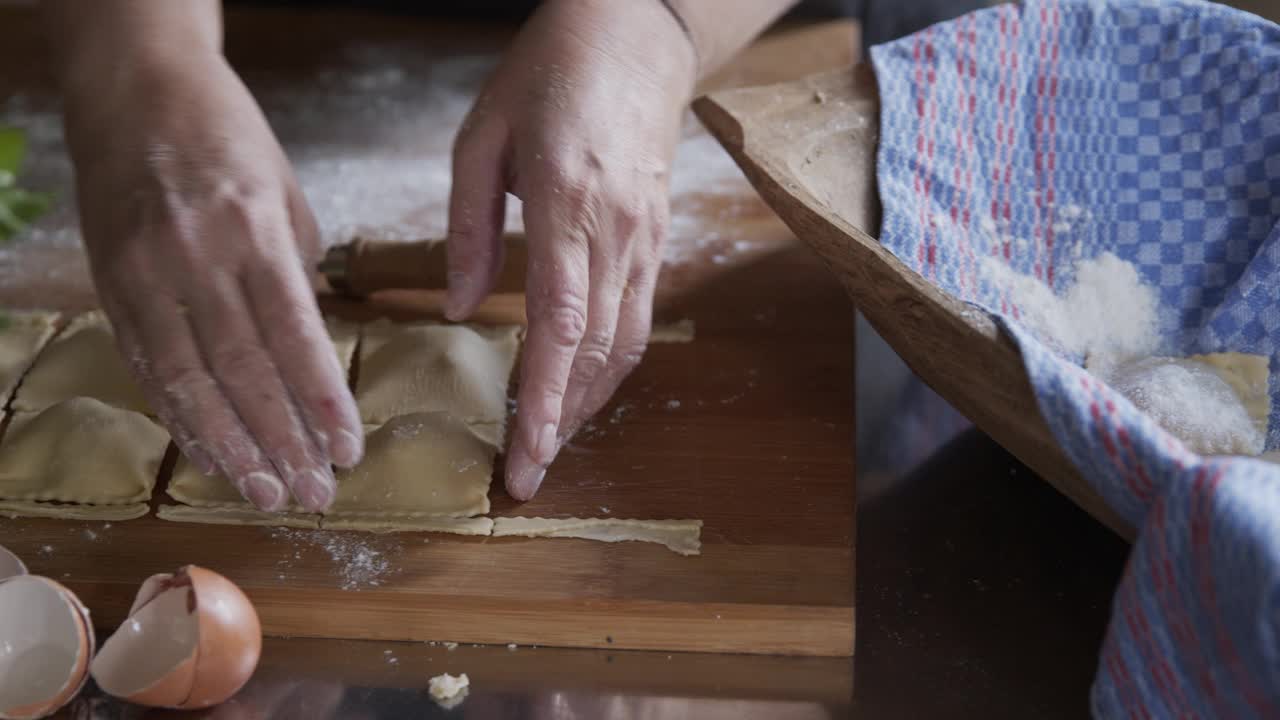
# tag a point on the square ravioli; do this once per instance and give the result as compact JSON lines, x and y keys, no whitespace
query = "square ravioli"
{"x":420,"y":465}
{"x":427,"y":368}
{"x":81,"y":451}
{"x":82,"y":361}
{"x":345,"y":337}
{"x":22,"y":335}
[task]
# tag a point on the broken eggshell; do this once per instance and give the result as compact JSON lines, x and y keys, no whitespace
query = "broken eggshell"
{"x":46,"y":644}
{"x":192,"y":640}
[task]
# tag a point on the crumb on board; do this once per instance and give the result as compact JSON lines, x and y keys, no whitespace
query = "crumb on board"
{"x":448,"y":690}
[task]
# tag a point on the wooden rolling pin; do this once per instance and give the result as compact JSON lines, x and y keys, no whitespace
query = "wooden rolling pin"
{"x":363,"y":267}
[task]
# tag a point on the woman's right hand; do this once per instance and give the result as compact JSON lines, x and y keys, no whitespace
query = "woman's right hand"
{"x":200,"y":243}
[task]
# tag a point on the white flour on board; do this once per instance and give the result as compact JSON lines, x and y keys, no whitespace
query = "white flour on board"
{"x":370,"y":140}
{"x":359,"y":561}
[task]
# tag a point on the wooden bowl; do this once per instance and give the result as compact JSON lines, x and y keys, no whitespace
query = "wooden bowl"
{"x":809,"y":148}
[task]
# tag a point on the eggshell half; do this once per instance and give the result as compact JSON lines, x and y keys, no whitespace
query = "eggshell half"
{"x":150,"y":659}
{"x":10,"y":564}
{"x":192,"y":640}
{"x":230,"y":638}
{"x":46,"y":643}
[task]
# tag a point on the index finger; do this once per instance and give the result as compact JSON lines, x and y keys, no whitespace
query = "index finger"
{"x":556,"y":300}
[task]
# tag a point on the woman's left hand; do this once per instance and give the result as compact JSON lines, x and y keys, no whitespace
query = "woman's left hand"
{"x":580,"y":121}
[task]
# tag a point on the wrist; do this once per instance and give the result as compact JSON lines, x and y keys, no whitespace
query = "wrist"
{"x":104,"y":47}
{"x":642,"y":34}
{"x":106,"y":100}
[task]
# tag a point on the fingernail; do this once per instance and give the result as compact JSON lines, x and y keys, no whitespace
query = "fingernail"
{"x":265,"y":491}
{"x":527,"y":486}
{"x":316,"y":493}
{"x":544,"y":449}
{"x":345,"y":449}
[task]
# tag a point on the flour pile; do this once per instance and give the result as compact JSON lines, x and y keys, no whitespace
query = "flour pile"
{"x":1111,"y":318}
{"x":1108,"y":311}
{"x":1192,"y":401}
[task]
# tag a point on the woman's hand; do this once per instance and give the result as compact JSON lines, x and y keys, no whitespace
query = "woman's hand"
{"x":580,"y":121}
{"x":199,"y":241}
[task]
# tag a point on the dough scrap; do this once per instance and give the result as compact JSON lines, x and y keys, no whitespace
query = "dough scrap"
{"x":680,"y":536}
{"x":682,"y":331}
{"x":422,"y":465}
{"x":430,"y":367}
{"x":22,"y":334}
{"x":19,"y":508}
{"x":81,"y":451}
{"x":447,"y":690}
{"x":82,"y":361}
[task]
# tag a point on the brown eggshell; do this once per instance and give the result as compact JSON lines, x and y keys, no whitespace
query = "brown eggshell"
{"x":192,"y":640}
{"x":150,"y":658}
{"x":230,"y":638}
{"x":81,"y":637}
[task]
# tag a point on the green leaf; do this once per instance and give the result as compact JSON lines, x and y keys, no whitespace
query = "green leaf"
{"x":13,"y":145}
{"x":18,"y":209}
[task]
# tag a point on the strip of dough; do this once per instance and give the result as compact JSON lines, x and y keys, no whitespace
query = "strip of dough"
{"x":236,"y":516}
{"x":431,"y":368}
{"x":19,"y":508}
{"x":681,"y":331}
{"x":81,"y":362}
{"x":386,"y":524}
{"x":22,"y":335}
{"x":377,"y":524}
{"x":422,"y":465}
{"x":680,"y":536}
{"x":81,"y":451}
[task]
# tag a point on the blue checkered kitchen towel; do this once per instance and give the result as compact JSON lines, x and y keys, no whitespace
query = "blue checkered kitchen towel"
{"x":1159,"y":121}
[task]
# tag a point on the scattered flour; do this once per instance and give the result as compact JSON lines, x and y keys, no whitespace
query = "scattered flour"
{"x":359,"y":561}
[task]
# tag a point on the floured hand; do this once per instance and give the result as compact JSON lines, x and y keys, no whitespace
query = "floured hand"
{"x":199,"y":237}
{"x":580,"y":121}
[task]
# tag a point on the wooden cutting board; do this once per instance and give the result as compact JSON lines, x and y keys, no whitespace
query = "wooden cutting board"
{"x":749,"y":428}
